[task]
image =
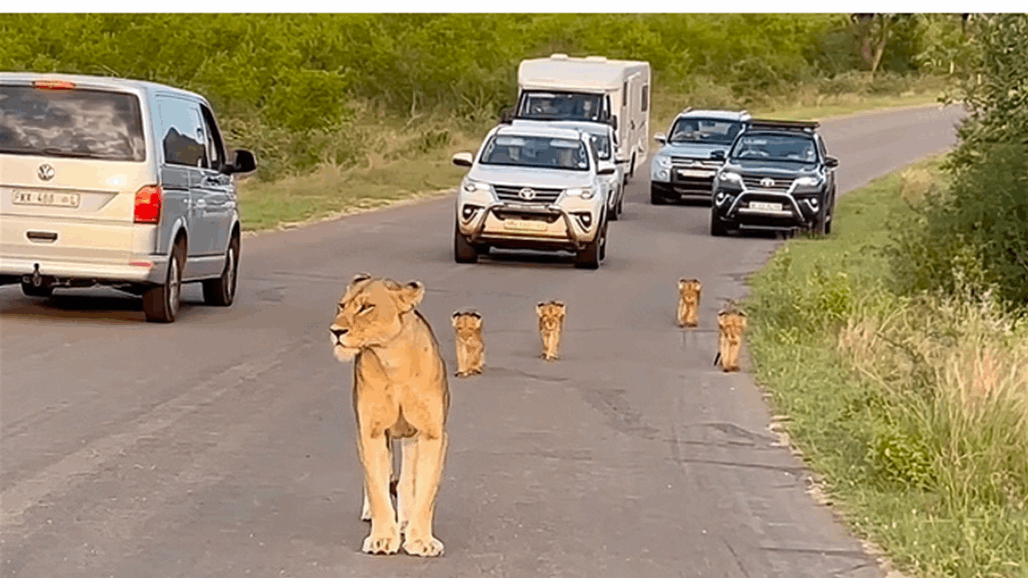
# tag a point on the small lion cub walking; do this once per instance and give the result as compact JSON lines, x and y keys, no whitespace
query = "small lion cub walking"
{"x":470,"y":347}
{"x":688,"y":302}
{"x":731,"y":322}
{"x":551,"y":325}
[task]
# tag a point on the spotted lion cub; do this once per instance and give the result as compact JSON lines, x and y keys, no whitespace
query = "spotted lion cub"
{"x":731,"y":323}
{"x":470,"y":348}
{"x":551,"y":325}
{"x":688,"y":302}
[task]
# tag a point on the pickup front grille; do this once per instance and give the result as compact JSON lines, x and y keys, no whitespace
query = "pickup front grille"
{"x":506,"y":193}
{"x":779,"y":184}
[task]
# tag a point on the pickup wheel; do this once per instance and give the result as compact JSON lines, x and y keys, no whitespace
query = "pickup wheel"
{"x":717,"y":228}
{"x":222,"y":291}
{"x":31,"y":290}
{"x":463,"y":252}
{"x":161,"y":303}
{"x":655,"y":197}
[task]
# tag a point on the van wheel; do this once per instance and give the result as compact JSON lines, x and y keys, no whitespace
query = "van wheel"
{"x":161,"y":303}
{"x":30,"y":290}
{"x":463,"y":252}
{"x":222,"y":291}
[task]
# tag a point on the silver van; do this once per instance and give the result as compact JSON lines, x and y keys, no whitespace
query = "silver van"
{"x":119,"y":183}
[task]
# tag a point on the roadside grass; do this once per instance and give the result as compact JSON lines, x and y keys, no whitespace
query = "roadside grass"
{"x":911,"y":409}
{"x":404,"y":159}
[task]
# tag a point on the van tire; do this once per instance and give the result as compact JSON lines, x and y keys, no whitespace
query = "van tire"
{"x":161,"y":303}
{"x":221,"y":292}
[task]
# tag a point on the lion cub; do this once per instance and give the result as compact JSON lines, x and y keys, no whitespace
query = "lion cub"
{"x":688,"y":302}
{"x":470,"y":348}
{"x":551,"y":325}
{"x":731,"y":323}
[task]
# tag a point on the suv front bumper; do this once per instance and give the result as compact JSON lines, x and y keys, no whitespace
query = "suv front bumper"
{"x":766,"y":210}
{"x":569,"y":226}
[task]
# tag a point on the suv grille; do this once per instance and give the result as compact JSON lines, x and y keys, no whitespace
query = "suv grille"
{"x":506,"y":193}
{"x":780,"y":184}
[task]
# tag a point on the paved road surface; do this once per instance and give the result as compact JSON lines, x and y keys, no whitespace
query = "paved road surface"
{"x":223,"y":445}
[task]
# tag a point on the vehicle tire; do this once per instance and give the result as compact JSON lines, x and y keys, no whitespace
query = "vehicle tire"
{"x":463,"y":252}
{"x":221,"y":292}
{"x":717,"y":228}
{"x":656,"y":198}
{"x":592,"y":254}
{"x":31,"y":290}
{"x":621,"y":203}
{"x":603,"y":244}
{"x":820,"y":222}
{"x":614,"y":212}
{"x":161,"y":303}
{"x":831,"y":218}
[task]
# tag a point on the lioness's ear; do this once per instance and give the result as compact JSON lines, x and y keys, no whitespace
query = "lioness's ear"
{"x":362,"y":276}
{"x":681,"y":283}
{"x":539,"y":307}
{"x":456,"y":316}
{"x":559,"y":304}
{"x":410,"y":295}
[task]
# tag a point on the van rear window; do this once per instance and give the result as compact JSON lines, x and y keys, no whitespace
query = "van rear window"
{"x":78,"y":123}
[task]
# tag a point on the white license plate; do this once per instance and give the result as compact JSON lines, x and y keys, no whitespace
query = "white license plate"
{"x":46,"y":199}
{"x":524,"y":225}
{"x":695,"y":173}
{"x":766,"y":206}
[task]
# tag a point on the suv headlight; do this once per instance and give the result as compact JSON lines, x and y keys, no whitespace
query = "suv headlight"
{"x":664,"y":162}
{"x":472,"y":186}
{"x":729,"y":180}
{"x":808,"y":184}
{"x":584,"y":192}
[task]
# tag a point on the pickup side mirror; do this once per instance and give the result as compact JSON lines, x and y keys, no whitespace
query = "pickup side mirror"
{"x":718,"y":155}
{"x":242,"y":164}
{"x":661,"y":138}
{"x":463,"y":159}
{"x":831,"y":162}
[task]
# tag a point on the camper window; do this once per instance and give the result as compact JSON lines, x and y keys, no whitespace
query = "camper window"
{"x":560,"y":106}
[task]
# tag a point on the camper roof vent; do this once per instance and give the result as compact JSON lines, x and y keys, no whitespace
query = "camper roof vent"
{"x":596,"y":58}
{"x":558,"y":57}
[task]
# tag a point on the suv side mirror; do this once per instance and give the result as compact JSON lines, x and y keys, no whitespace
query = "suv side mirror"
{"x":717,"y":155}
{"x":661,"y":138}
{"x":243,"y":163}
{"x":507,"y":115}
{"x":831,"y":162}
{"x":463,"y":159}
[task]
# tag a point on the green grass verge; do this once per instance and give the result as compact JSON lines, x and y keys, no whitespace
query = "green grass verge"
{"x":912,"y":408}
{"x":410,"y":160}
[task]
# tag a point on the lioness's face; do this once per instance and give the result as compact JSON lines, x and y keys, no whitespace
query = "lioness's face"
{"x":369,"y":314}
{"x":550,"y":314}
{"x":689,"y":289}
{"x":732,"y":324}
{"x":467,"y":325}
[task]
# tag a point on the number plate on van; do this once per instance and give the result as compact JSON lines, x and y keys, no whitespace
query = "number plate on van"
{"x":45,"y":199}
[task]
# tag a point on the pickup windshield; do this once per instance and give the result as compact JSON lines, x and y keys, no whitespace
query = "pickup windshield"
{"x":702,"y":130}
{"x":536,"y":152}
{"x":560,"y":106}
{"x":775,"y":148}
{"x":86,"y":124}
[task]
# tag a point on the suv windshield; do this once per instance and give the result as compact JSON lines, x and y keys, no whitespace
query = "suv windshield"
{"x":704,"y":130}
{"x":89,"y":124}
{"x":560,"y":106}
{"x":775,"y":147}
{"x":536,"y":152}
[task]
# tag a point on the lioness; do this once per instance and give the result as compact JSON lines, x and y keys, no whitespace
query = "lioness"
{"x":551,"y":323}
{"x":688,"y":302}
{"x":400,"y":391}
{"x":731,"y":323}
{"x":470,"y":349}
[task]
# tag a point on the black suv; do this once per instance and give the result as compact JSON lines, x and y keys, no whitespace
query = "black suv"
{"x":777,"y":177}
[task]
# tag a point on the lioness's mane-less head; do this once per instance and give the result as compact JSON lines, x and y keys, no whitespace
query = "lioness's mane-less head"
{"x":370,"y":313}
{"x":551,"y":314}
{"x":467,"y":324}
{"x":732,"y":322}
{"x":689,"y":289}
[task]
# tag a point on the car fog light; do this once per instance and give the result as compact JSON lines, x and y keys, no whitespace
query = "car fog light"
{"x":468,"y":211}
{"x":662,"y":175}
{"x":585,"y":219}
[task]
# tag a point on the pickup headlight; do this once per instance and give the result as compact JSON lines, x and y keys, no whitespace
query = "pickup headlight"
{"x":584,"y":192}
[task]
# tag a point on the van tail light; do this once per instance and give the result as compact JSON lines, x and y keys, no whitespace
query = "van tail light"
{"x":148,"y":205}
{"x":53,"y":84}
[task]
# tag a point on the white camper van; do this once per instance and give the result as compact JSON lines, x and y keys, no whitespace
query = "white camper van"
{"x":591,"y":89}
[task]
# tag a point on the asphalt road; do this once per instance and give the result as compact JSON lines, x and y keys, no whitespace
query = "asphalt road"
{"x":223,"y":445}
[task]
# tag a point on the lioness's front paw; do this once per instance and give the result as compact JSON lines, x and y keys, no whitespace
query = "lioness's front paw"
{"x":423,"y":547}
{"x":384,"y":543}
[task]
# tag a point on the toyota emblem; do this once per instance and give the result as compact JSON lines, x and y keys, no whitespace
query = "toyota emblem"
{"x":767,"y":182}
{"x":526,"y":194}
{"x":45,"y":172}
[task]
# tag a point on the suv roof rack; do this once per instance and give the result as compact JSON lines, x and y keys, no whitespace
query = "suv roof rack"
{"x":803,"y":125}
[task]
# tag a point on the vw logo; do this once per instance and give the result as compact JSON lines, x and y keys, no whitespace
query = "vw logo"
{"x":45,"y":172}
{"x":767,"y":182}
{"x":526,"y":194}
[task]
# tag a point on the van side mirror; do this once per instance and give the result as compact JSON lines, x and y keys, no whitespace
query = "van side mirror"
{"x":243,"y":163}
{"x":606,"y":170}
